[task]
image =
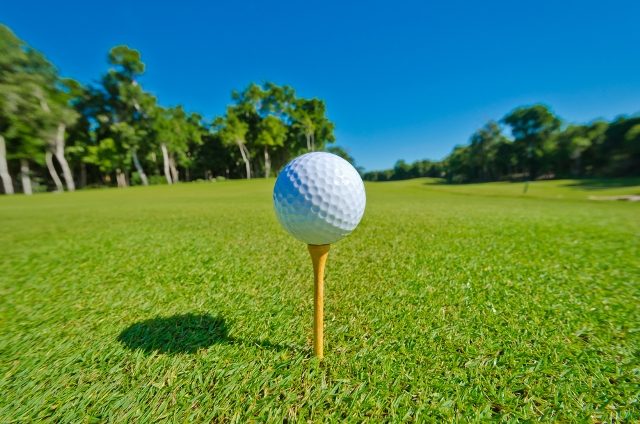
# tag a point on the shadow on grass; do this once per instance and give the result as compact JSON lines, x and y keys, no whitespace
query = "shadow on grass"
{"x":184,"y":333}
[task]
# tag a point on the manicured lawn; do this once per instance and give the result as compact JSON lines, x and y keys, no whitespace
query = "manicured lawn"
{"x":189,"y":303}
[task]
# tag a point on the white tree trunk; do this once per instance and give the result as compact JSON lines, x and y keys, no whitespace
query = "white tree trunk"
{"x":59,"y":147}
{"x":59,"y":152}
{"x":173,"y":169}
{"x":136,"y":163}
{"x":26,"y":178}
{"x":7,"y":183}
{"x":245,"y":157}
{"x":165,"y":161}
{"x":308,"y":136}
{"x":267,"y":162}
{"x":48,"y":157}
{"x":43,"y":103}
{"x":121,"y":179}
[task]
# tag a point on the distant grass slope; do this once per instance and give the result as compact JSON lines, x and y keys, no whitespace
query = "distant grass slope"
{"x":552,"y":189}
{"x":189,"y":304}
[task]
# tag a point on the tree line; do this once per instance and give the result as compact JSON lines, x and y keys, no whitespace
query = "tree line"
{"x":57,"y":133}
{"x":531,"y":143}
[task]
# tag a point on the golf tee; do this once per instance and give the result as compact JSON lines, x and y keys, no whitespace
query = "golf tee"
{"x":319,"y":254}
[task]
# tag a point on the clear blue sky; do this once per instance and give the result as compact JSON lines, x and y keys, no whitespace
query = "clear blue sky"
{"x":401,"y":79}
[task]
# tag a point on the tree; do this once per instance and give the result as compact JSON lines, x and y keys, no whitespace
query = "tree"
{"x":458,"y":165}
{"x":116,"y":127}
{"x":619,"y":152}
{"x":483,"y":149}
{"x":271,"y":133}
{"x":309,"y":116}
{"x":25,"y":78}
{"x":212,"y":158}
{"x":505,"y":159}
{"x":266,"y":110}
{"x":81,"y":134}
{"x":192,"y":129}
{"x":232,"y":130}
{"x":572,"y":144}
{"x":24,"y":133}
{"x":108,"y":157}
{"x":122,"y":110}
{"x":174,"y":129}
{"x":531,"y":126}
{"x":37,"y":84}
{"x":57,"y":105}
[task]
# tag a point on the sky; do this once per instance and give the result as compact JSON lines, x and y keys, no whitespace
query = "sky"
{"x":401,"y":80}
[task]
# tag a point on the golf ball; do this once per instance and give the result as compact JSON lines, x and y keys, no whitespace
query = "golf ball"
{"x":319,"y":198}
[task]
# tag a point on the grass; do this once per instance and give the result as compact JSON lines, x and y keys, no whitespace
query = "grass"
{"x":189,"y":304}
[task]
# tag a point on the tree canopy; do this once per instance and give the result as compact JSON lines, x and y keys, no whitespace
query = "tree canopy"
{"x":116,"y":133}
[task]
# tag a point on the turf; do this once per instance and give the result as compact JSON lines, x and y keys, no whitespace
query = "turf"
{"x":189,"y":304}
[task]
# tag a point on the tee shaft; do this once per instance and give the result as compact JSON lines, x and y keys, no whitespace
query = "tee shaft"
{"x":319,"y":254}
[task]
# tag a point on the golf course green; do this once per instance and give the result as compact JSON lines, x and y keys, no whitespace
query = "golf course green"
{"x":189,"y":303}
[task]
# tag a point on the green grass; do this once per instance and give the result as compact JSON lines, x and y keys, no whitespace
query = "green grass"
{"x":190,"y":304}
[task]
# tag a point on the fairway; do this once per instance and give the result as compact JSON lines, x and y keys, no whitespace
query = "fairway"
{"x":189,"y":303}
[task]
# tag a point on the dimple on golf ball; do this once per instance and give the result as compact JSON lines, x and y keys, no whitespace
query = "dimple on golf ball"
{"x":319,"y":198}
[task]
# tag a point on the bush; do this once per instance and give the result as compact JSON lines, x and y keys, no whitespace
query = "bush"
{"x":157,"y":179}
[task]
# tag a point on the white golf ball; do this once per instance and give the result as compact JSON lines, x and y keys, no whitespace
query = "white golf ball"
{"x":319,"y":198}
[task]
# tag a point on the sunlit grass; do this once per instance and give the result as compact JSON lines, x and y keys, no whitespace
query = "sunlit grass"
{"x":189,"y":303}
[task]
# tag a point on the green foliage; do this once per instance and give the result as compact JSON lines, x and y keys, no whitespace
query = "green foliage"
{"x":269,"y":119}
{"x":272,"y":132}
{"x":128,"y":61}
{"x":403,"y":171}
{"x":157,"y":179}
{"x":26,"y":80}
{"x":309,"y":118}
{"x":441,"y":306}
{"x":540,"y":148}
{"x":106,"y":156}
{"x":180,"y":131}
{"x":231,"y":129}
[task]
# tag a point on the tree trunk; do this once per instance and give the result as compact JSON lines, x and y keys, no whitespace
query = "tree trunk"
{"x":48,"y":157}
{"x":7,"y":183}
{"x":308,"y":136}
{"x":58,"y":145}
{"x":59,"y":153}
{"x":174,"y":170}
{"x":136,"y":163}
{"x":165,"y":161}
{"x":245,"y":157}
{"x":26,"y":178}
{"x":532,"y":163}
{"x":121,"y":179}
{"x":267,"y":162}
